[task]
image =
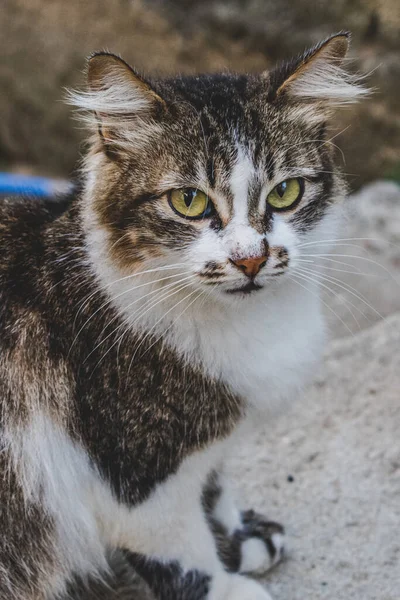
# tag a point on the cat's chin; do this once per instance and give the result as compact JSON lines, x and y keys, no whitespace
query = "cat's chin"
{"x":249,"y":288}
{"x":252,"y":289}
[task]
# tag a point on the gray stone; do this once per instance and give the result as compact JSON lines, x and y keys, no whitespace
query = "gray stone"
{"x":370,"y":250}
{"x":342,"y":511}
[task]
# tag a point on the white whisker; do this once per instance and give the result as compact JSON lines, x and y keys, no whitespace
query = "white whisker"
{"x":347,"y":288}
{"x":114,"y":282}
{"x":337,"y":270}
{"x":129,"y":326}
{"x":318,"y":296}
{"x":110,"y":300}
{"x":348,"y":303}
{"x":165,"y":293}
{"x":175,"y":320}
{"x":364,"y":258}
{"x":330,"y":260}
{"x":155,"y":325}
{"x":354,"y":239}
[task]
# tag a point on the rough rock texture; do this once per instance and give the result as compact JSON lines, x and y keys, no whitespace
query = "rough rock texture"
{"x":370,"y":253}
{"x":330,"y":471}
{"x":44,"y":46}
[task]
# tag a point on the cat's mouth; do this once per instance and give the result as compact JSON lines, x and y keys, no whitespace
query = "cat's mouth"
{"x":246,"y":289}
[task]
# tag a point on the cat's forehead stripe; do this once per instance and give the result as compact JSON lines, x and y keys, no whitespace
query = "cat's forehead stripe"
{"x":240,"y":179}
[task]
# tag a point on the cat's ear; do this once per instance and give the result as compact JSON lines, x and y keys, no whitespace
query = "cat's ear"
{"x":119,"y":103}
{"x":317,"y":75}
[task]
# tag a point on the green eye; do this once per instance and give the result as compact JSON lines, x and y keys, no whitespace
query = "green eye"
{"x":190,"y":203}
{"x":286,"y":194}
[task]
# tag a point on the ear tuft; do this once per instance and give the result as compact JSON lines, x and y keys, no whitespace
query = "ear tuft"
{"x":318,"y":75}
{"x":117,"y":97}
{"x":117,"y":86}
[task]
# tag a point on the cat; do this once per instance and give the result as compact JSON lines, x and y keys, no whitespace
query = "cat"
{"x":148,"y":326}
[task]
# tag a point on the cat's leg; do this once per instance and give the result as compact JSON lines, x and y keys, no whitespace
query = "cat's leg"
{"x":29,"y":554}
{"x":184,"y":573}
{"x":247,"y":541}
{"x":49,"y":532}
{"x":171,"y":545}
{"x":119,"y":582}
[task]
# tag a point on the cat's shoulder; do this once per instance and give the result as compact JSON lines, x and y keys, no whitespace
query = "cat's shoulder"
{"x":23,"y":223}
{"x":27,"y":227}
{"x":24,"y":213}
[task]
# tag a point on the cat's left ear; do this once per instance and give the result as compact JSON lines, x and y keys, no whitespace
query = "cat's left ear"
{"x":317,"y":75}
{"x":119,"y":103}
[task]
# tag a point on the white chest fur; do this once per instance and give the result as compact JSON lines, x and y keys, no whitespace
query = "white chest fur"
{"x":263,"y":346}
{"x":263,"y":349}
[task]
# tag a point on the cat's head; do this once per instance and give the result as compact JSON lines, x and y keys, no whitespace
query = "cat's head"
{"x":221,"y":177}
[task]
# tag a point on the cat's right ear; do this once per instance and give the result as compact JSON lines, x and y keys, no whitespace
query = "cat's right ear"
{"x":317,"y":77}
{"x":119,"y":103}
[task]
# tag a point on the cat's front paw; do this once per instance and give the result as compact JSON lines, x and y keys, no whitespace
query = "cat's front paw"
{"x":236,"y":587}
{"x":262,"y":543}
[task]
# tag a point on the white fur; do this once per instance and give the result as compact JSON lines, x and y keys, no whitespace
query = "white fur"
{"x":119,"y":98}
{"x":170,"y":525}
{"x":240,"y":239}
{"x":121,"y":106}
{"x":278,"y":540}
{"x":226,"y":511}
{"x":242,"y":172}
{"x":56,"y":473}
{"x":328,"y":82}
{"x":255,"y":557}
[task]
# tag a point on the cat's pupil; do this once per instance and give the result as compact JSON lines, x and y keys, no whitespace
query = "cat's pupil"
{"x":189,"y":196}
{"x":281,"y":188}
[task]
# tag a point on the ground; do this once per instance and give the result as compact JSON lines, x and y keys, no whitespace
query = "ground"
{"x":330,"y":470}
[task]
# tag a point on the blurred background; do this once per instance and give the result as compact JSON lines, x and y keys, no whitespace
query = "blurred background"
{"x":45,"y":43}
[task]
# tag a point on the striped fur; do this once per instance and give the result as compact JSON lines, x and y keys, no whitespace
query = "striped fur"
{"x":139,"y":347}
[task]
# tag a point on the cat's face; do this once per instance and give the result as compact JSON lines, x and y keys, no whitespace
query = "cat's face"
{"x":221,"y":177}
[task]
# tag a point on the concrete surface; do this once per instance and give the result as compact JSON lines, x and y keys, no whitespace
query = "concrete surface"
{"x":370,"y":253}
{"x":330,"y":472}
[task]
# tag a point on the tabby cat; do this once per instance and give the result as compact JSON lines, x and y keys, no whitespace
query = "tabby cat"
{"x":150,"y":324}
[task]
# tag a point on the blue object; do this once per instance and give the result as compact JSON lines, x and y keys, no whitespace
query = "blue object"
{"x":27,"y":185}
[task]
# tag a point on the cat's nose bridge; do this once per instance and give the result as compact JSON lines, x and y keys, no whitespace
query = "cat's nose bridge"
{"x":241,"y":240}
{"x":247,"y":249}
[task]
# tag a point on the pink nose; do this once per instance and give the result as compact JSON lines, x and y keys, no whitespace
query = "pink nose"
{"x":250,"y":266}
